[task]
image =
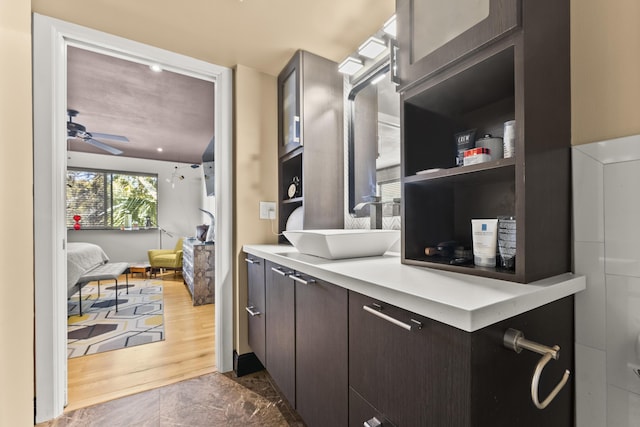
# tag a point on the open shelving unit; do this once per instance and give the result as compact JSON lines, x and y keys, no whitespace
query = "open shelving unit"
{"x":503,"y":81}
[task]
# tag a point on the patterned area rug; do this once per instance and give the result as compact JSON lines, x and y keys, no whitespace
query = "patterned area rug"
{"x":139,"y":319}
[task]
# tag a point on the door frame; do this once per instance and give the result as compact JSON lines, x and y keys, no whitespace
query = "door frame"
{"x":50,"y":39}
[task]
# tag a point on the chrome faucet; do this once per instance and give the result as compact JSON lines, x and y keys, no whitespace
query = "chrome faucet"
{"x":375,"y":210}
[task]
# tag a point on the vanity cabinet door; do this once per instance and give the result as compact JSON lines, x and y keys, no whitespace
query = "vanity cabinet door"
{"x":289,"y":92}
{"x":321,"y":352}
{"x":416,"y":377}
{"x":280,"y":329}
{"x":433,"y":34}
{"x":256,"y":306}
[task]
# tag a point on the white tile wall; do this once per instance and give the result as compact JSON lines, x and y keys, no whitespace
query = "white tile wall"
{"x":622,"y":214}
{"x":623,"y":408}
{"x":588,"y":204}
{"x":590,"y":304}
{"x":623,"y":328}
{"x":591,"y":387}
{"x":606,"y":204}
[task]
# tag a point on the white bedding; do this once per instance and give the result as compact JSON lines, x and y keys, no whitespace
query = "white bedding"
{"x":82,"y":257}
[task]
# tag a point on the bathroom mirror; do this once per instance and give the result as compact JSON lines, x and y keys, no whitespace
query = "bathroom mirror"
{"x":374,"y":140}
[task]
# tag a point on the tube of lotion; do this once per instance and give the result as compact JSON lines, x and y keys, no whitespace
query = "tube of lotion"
{"x":485,"y":236}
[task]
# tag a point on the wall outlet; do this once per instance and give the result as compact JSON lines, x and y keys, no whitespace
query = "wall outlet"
{"x":267,"y":210}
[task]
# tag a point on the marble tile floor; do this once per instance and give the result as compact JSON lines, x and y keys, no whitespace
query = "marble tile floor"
{"x":210,"y":400}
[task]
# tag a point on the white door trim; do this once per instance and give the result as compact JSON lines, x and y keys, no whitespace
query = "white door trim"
{"x":50,"y":39}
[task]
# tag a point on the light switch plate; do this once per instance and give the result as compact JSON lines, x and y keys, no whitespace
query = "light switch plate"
{"x":267,"y":210}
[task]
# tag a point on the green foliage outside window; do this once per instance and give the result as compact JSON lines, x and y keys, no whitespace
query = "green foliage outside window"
{"x":111,"y":199}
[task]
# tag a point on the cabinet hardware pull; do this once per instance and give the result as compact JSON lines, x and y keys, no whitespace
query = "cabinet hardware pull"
{"x":296,"y":127}
{"x":280,"y":271}
{"x":373,"y":422}
{"x":299,"y":279}
{"x":390,"y":319}
{"x":514,"y":340}
{"x":251,"y":311}
{"x":252,"y":261}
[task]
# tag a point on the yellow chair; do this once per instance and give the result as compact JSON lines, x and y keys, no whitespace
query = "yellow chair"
{"x":166,"y":258}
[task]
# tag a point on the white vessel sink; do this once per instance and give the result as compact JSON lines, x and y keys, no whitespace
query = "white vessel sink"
{"x":338,"y":244}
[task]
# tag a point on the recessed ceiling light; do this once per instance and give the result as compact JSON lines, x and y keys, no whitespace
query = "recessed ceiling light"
{"x":350,"y":66}
{"x":372,"y":47}
{"x":159,"y":149}
{"x":390,"y":26}
{"x":155,"y":67}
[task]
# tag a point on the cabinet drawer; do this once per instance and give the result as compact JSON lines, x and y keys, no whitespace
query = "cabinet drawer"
{"x":280,"y":329}
{"x":416,"y":377}
{"x":361,"y":411}
{"x":256,"y":306}
{"x":321,"y":352}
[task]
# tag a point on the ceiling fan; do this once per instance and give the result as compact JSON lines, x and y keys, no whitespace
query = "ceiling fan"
{"x":76,"y":130}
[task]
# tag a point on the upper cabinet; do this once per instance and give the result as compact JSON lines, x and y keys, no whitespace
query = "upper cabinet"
{"x":436,"y":33}
{"x":289,"y":104}
{"x":479,"y":80}
{"x":311,"y":144}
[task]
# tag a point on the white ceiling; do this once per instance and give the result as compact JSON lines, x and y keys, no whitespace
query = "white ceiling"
{"x":262,"y":34}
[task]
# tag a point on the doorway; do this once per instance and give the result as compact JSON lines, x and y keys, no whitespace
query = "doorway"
{"x":50,"y":39}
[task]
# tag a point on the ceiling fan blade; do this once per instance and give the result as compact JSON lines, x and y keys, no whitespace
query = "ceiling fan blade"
{"x":119,"y":138}
{"x":104,"y":146}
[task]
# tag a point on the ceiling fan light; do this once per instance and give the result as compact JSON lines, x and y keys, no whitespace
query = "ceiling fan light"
{"x":372,"y":47}
{"x":350,"y":66}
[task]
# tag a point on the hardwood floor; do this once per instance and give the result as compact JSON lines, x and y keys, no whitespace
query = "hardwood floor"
{"x":187,"y":352}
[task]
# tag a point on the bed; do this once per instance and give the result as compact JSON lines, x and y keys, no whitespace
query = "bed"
{"x":81,"y":258}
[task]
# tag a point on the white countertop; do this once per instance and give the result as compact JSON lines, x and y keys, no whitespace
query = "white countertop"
{"x":463,"y":301}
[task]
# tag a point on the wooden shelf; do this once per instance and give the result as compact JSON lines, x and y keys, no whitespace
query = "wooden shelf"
{"x":293,"y":200}
{"x":496,"y":169}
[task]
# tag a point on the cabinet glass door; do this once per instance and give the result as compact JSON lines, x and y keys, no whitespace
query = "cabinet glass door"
{"x":434,"y":34}
{"x":440,"y":21}
{"x":290,"y":115}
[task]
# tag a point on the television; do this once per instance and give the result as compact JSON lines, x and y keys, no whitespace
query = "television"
{"x":208,"y":169}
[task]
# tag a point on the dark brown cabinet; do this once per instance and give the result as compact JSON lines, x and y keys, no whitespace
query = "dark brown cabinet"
{"x":407,"y":370}
{"x":256,"y":300}
{"x":520,"y":72}
{"x":321,"y":352}
{"x":311,"y":145}
{"x":280,"y":329}
{"x":433,"y":34}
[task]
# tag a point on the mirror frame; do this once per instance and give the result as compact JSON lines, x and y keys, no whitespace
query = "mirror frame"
{"x":358,"y":85}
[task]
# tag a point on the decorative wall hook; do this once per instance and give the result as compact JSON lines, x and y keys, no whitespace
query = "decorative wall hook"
{"x":514,"y":340}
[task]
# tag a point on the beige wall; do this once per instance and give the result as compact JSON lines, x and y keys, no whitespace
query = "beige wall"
{"x":256,"y":177}
{"x":16,"y":257}
{"x":605,"y":69}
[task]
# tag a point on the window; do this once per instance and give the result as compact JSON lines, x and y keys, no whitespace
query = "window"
{"x":111,"y":199}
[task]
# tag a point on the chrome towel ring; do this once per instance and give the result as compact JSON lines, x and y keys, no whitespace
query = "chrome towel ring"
{"x":514,"y":339}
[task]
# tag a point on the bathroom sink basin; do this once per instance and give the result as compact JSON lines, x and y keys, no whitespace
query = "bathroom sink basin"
{"x":339,"y":244}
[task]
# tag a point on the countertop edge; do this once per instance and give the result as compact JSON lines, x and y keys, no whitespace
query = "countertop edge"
{"x":470,"y":320}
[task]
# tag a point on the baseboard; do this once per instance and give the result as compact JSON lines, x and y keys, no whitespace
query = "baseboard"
{"x":244,"y":364}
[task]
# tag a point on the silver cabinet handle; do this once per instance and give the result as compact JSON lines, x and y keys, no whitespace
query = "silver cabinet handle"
{"x":251,"y":311}
{"x":403,"y":325}
{"x":299,"y":279}
{"x":280,"y":271}
{"x":373,"y":422}
{"x":252,"y":261}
